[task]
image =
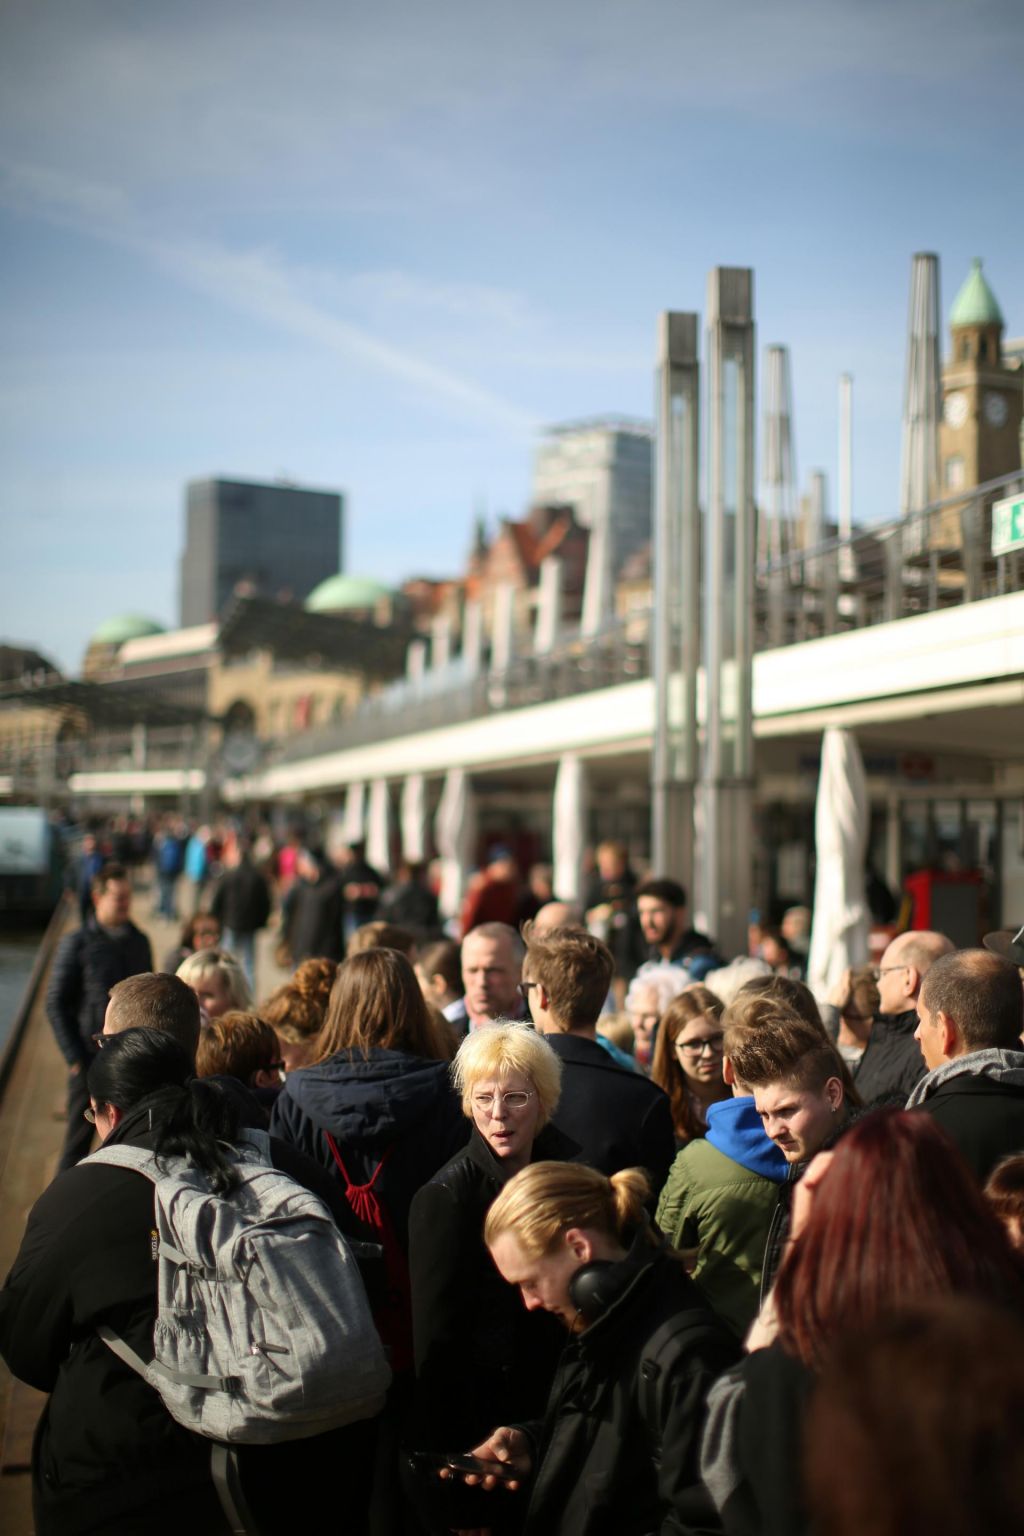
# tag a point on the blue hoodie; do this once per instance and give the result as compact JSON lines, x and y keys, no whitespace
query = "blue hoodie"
{"x":735,"y":1130}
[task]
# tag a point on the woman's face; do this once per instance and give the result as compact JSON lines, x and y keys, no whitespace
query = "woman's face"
{"x":643,"y":1015}
{"x":212,"y":992}
{"x":698,"y":1049}
{"x":205,"y":933}
{"x":507,"y":1113}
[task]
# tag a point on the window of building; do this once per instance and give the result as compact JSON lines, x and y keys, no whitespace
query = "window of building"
{"x":955,"y":471}
{"x":983,"y":348}
{"x":965,"y":349}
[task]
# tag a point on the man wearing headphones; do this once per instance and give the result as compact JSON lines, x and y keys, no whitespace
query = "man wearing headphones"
{"x":618,"y":1447}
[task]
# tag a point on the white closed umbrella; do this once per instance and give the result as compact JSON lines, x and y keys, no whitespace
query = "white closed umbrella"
{"x":378,"y":826}
{"x":352,"y":826}
{"x":455,"y":836}
{"x":570,"y":827}
{"x":839,"y":937}
{"x":414,"y":818}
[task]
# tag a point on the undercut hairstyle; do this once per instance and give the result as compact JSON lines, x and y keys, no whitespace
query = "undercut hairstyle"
{"x":376,"y":1003}
{"x":237,"y":1045}
{"x":669,"y":891}
{"x":443,"y":959}
{"x":193,"y":1119}
{"x":106,"y":875}
{"x":296,"y":1010}
{"x":575,"y":970}
{"x":195,"y":969}
{"x":785,"y":990}
{"x":696,"y":1002}
{"x":899,"y":1196}
{"x":499,"y":931}
{"x":769,"y":1042}
{"x":381,"y":935}
{"x":495,"y":1051}
{"x":545,"y":1200}
{"x":154,"y":1000}
{"x":981,"y":994}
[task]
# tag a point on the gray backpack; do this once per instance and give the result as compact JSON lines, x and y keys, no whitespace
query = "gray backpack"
{"x":263,"y":1332}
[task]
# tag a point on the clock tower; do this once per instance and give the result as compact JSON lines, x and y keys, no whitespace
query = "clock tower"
{"x":982,"y":397}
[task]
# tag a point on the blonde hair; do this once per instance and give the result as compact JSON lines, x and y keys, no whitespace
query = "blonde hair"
{"x":547,"y":1199}
{"x":218,"y":962}
{"x":495,"y":1051}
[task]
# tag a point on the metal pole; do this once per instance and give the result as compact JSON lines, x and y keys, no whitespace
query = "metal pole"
{"x":676,"y":624}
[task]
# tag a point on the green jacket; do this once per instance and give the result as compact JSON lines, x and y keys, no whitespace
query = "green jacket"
{"x":724,"y":1210}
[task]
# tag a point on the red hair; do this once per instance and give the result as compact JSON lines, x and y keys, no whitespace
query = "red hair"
{"x":895,"y":1218}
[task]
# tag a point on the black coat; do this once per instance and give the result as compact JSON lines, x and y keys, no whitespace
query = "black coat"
{"x":985,"y":1117}
{"x":892,"y":1064}
{"x":242,"y":899}
{"x":88,"y":963}
{"x":370,"y":1104}
{"x":481,"y":1357}
{"x":108,"y":1456}
{"x":596,"y":1473}
{"x":315,"y":914}
{"x":618,"y":1118}
{"x":755,"y":1472}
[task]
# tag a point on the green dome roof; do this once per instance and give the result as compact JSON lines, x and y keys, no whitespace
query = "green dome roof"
{"x":341,"y":592}
{"x":126,"y":626}
{"x":975,"y":304}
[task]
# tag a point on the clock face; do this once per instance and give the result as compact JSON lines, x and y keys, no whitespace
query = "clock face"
{"x":996,"y":410}
{"x":955,"y":409}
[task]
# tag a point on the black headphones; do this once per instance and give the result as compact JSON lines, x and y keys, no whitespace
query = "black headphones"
{"x":597,"y":1286}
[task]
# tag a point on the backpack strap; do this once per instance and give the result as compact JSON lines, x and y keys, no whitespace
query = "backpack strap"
{"x":125,"y":1352}
{"x":661,"y":1352}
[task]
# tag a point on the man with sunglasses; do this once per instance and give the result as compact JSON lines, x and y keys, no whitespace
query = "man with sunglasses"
{"x":892,"y":1065}
{"x":618,"y":1118}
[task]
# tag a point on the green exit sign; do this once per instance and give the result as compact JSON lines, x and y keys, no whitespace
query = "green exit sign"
{"x":1008,"y":525}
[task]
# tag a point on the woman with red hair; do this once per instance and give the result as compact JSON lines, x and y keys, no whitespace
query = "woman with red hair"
{"x":890,"y":1216}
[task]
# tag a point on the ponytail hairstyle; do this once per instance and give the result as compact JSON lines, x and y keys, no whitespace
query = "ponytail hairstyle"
{"x":147,"y":1068}
{"x":545,"y":1200}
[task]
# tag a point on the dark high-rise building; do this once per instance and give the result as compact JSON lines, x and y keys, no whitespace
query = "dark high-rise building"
{"x":277,"y":540}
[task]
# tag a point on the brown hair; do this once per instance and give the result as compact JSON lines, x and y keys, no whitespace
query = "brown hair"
{"x":442,"y":959}
{"x":153,"y":1000}
{"x":236,"y":1045}
{"x":106,"y":875}
{"x":1004,"y":1191}
{"x":768,"y":1042}
{"x":575,"y":970}
{"x":376,"y":1002}
{"x":860,"y":999}
{"x":782,"y":989}
{"x":981,"y":994}
{"x":695,"y":1003}
{"x":296,"y":1009}
{"x":546,"y":1199}
{"x":381,"y":935}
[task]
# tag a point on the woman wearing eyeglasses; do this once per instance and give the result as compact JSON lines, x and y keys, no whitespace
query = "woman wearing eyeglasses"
{"x":478,"y":1351}
{"x":688,"y":1060}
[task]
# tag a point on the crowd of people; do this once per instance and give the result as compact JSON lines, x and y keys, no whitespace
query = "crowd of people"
{"x":646,"y":1233}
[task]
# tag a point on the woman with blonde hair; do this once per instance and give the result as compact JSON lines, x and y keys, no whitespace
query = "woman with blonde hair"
{"x":219,"y":982}
{"x":617,"y":1448}
{"x":478,"y":1353}
{"x":688,"y":1060}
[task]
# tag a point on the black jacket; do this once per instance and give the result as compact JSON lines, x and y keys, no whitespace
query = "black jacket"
{"x":596,"y":1468}
{"x":314,"y":919}
{"x":383,"y":1102}
{"x":88,"y":963}
{"x":892,"y":1064}
{"x":979,"y":1100}
{"x":242,"y":899}
{"x":752,"y":1453}
{"x":616,"y":1117}
{"x":481,"y":1357}
{"x":108,"y":1455}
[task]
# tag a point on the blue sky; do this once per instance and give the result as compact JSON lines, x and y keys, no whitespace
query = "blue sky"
{"x":376,"y":247}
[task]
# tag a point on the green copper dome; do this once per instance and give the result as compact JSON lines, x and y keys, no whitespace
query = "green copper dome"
{"x":975,"y":304}
{"x":125,"y":626}
{"x":340,"y":592}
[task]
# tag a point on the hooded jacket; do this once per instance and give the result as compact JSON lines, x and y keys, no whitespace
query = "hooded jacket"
{"x":979,"y":1100}
{"x":720,"y":1197}
{"x":381,"y":1103}
{"x":892,"y":1063}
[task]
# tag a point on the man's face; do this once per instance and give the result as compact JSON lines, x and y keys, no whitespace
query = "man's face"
{"x":113,"y":903}
{"x":543,"y":1283}
{"x":930,"y":1036}
{"x":798,"y":1119}
{"x":894,"y":983}
{"x":659,"y":920}
{"x":490,"y":976}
